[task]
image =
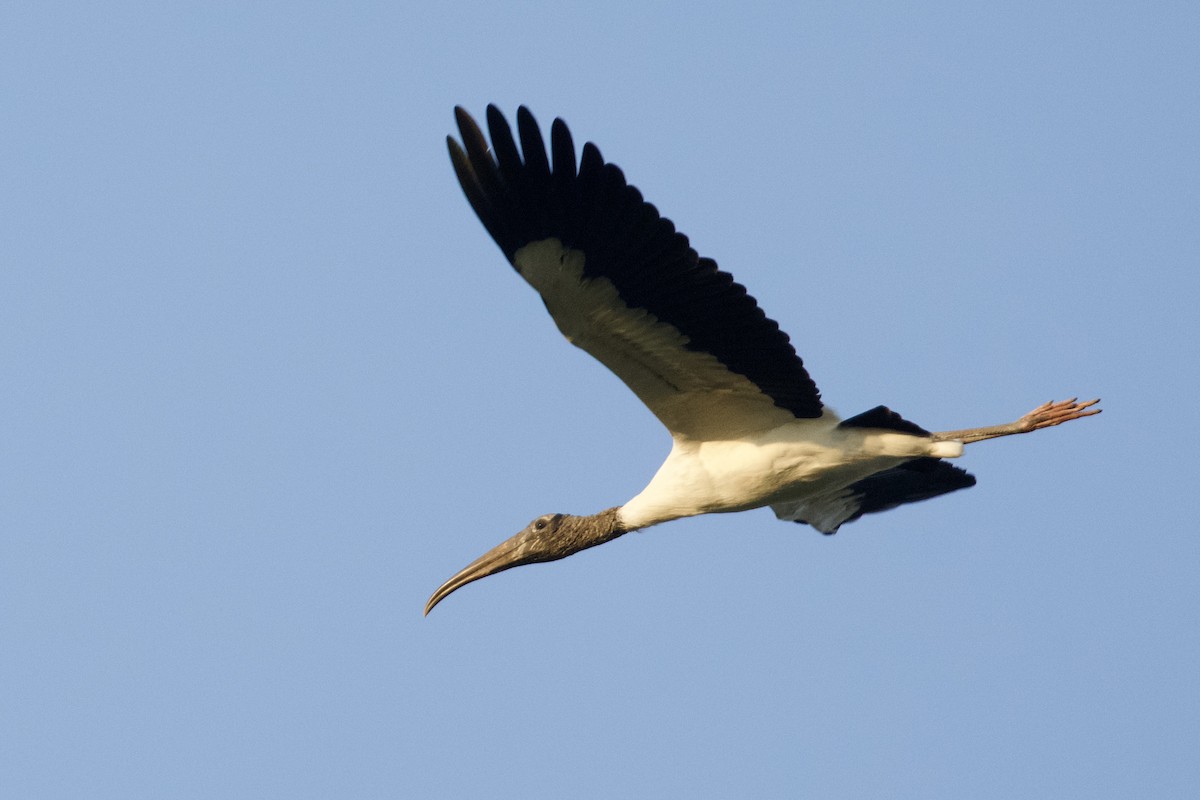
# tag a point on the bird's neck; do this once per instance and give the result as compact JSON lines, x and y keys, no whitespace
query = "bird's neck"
{"x":580,"y":533}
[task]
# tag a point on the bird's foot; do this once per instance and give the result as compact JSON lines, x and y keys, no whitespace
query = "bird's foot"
{"x":1050,"y":414}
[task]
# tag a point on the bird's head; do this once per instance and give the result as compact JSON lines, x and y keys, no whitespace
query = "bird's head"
{"x":548,"y":538}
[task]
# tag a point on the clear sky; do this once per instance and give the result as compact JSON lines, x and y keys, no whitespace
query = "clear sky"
{"x":265,"y":383}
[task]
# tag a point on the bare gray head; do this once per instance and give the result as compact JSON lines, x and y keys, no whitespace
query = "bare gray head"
{"x":548,"y":538}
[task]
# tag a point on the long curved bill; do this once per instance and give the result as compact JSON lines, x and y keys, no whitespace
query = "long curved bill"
{"x":505,"y":555}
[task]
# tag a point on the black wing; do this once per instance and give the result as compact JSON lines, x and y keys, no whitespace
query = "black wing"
{"x":623,"y":284}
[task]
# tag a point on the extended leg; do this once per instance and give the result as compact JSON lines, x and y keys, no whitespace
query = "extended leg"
{"x":1044,"y":416}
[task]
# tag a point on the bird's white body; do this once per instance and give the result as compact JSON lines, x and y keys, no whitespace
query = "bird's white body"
{"x":797,"y":467}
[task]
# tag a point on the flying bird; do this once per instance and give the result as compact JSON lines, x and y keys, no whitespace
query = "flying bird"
{"x":747,"y":423}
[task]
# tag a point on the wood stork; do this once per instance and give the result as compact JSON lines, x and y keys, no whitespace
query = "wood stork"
{"x":747,"y":423}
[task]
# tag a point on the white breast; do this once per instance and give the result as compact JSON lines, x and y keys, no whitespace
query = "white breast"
{"x":801,"y":459}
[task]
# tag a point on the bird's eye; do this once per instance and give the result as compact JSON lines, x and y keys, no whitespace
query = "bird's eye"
{"x":540,"y":525}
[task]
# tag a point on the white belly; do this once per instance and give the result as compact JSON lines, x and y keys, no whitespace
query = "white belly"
{"x":797,"y":460}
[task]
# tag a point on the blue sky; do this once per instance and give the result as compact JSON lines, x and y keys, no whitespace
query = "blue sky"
{"x":267,"y":383}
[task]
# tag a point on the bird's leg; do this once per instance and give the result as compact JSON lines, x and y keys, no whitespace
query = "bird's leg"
{"x":1044,"y":416}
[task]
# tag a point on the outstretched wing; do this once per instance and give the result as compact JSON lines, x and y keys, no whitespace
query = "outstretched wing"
{"x":910,"y":482}
{"x":624,"y":285}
